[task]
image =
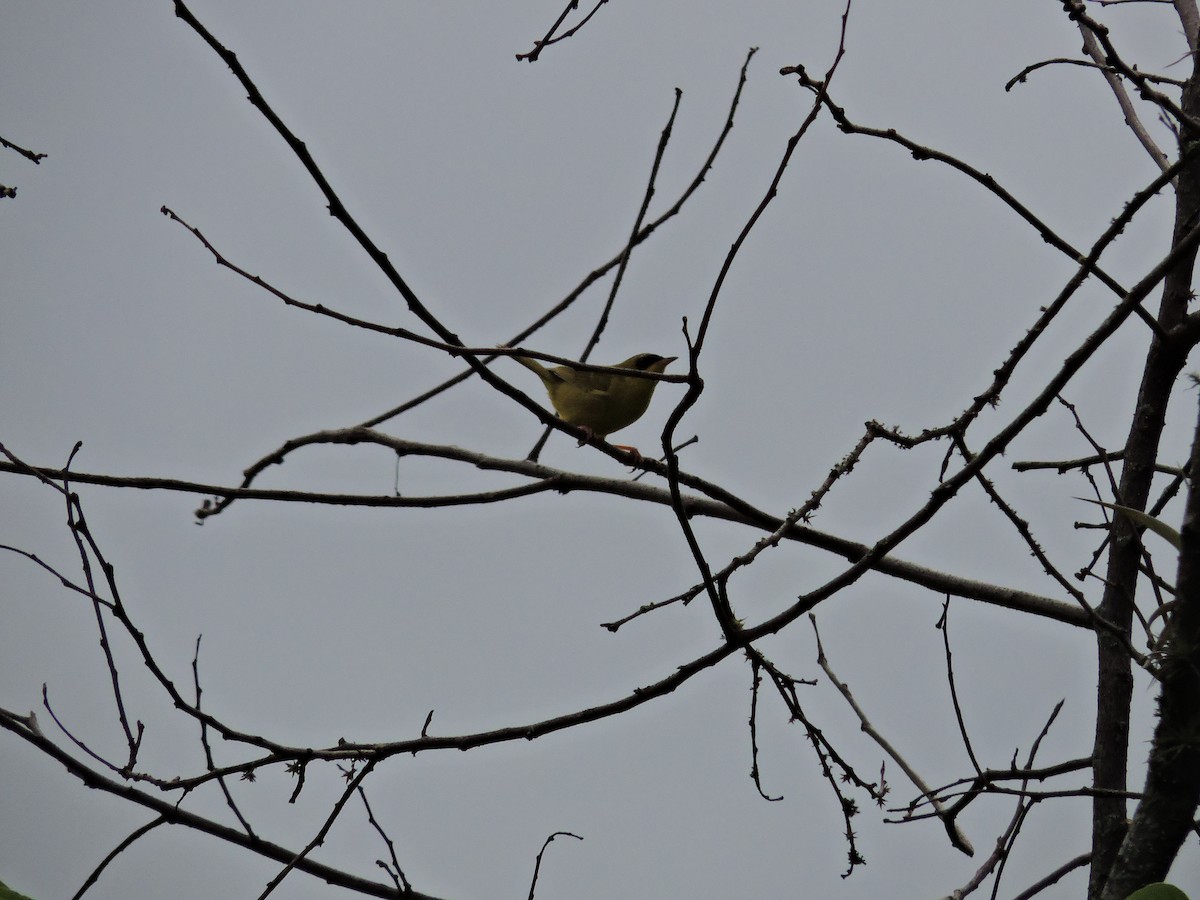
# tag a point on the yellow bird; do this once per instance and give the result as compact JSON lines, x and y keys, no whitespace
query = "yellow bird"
{"x":599,"y":403}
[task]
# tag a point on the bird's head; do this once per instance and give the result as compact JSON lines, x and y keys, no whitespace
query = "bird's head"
{"x":647,"y":362}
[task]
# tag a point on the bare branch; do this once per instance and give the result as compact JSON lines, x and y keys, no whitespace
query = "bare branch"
{"x":1021,"y":77}
{"x":552,"y":38}
{"x":128,"y":842}
{"x":958,"y":840}
{"x":173,"y":814}
{"x":1092,"y":47}
{"x":551,"y":479}
{"x":393,"y":868}
{"x":355,"y":780}
{"x":537,"y":866}
{"x":1054,"y":877}
{"x":33,"y":157}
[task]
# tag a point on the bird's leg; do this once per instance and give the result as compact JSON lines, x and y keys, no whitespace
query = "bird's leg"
{"x":591,"y":437}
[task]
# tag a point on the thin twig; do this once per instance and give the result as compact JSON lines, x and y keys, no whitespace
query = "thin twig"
{"x":355,"y":782}
{"x":552,"y":38}
{"x":393,"y":869}
{"x":957,"y":839}
{"x":94,"y":875}
{"x":537,"y":866}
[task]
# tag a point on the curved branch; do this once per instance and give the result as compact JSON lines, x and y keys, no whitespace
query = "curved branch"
{"x":548,"y":478}
{"x":173,"y":814}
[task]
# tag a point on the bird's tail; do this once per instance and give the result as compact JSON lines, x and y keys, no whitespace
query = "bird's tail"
{"x":533,"y":365}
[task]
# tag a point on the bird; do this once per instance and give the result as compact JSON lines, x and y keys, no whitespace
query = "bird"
{"x":597,"y":402}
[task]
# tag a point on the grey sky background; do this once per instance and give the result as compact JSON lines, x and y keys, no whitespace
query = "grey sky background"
{"x":874,"y":287}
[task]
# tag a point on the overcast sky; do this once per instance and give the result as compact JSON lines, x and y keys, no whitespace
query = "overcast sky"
{"x":875,"y":286}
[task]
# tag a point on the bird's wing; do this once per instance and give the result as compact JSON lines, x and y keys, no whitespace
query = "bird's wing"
{"x":588,"y":382}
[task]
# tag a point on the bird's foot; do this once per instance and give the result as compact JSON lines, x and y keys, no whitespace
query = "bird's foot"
{"x":634,"y":453}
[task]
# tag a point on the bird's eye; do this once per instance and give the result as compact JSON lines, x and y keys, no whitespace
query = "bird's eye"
{"x":646,"y":360}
